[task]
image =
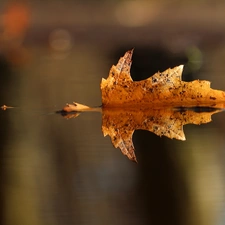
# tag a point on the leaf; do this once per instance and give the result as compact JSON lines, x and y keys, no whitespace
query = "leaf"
{"x":161,"y":104}
{"x":120,"y":124}
{"x":162,"y":89}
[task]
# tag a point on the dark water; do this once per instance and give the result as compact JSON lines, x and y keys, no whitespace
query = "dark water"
{"x":56,"y":171}
{"x":59,"y":171}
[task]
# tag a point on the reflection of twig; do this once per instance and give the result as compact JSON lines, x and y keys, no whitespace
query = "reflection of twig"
{"x":4,"y":107}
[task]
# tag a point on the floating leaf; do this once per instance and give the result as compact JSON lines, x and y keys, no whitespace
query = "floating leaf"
{"x":152,"y":104}
{"x":162,"y":89}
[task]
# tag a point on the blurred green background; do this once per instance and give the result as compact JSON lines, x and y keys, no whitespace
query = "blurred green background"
{"x":58,"y":171}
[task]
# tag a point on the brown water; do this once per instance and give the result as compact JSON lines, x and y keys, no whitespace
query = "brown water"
{"x":58,"y":171}
{"x":62,"y":172}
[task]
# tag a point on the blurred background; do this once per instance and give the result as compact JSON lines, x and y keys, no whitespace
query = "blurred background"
{"x":58,"y":171}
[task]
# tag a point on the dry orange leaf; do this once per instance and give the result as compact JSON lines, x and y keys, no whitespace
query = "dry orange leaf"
{"x":151,"y":104}
{"x":162,"y":89}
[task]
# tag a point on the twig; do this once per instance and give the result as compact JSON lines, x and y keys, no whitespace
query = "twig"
{"x":4,"y":107}
{"x":77,"y":108}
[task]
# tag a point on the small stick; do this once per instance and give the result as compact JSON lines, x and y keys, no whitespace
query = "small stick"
{"x":4,"y":107}
{"x":76,"y":107}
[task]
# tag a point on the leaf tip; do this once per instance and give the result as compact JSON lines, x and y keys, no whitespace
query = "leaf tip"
{"x":131,"y":51}
{"x":178,"y":70}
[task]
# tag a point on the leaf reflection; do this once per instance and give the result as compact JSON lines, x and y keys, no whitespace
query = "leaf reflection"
{"x":120,"y":124}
